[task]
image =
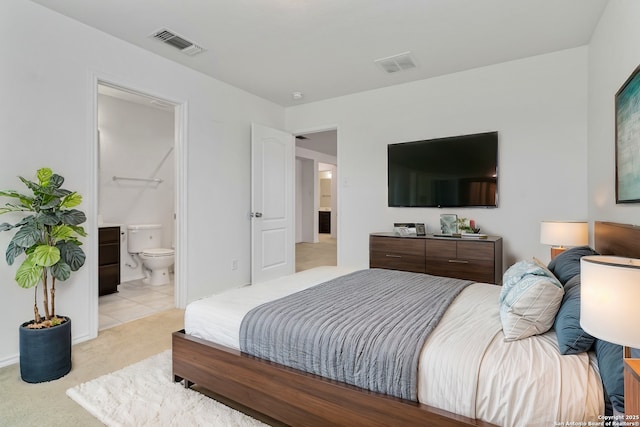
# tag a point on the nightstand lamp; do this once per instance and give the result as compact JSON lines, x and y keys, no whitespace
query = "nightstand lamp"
{"x":610,"y":293}
{"x":559,"y":234}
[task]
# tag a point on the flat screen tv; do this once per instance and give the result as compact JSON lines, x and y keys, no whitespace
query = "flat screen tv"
{"x":458,"y":171}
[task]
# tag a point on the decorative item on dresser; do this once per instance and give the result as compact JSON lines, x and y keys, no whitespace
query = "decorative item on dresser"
{"x":448,"y":223}
{"x":108,"y":259}
{"x":560,"y":234}
{"x":610,"y":294}
{"x":473,"y":259}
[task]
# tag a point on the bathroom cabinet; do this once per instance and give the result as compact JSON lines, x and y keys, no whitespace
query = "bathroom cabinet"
{"x":324,"y":222}
{"x":108,"y":260}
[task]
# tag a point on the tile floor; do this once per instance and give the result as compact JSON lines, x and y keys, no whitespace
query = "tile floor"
{"x":132,"y":301}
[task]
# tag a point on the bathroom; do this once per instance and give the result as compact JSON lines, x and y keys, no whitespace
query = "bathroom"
{"x":136,"y":188}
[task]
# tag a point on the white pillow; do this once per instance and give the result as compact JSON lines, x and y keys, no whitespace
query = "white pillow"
{"x":529,"y":300}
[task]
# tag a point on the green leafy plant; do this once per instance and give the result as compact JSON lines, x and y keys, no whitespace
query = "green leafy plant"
{"x":467,"y":226}
{"x":47,"y":236}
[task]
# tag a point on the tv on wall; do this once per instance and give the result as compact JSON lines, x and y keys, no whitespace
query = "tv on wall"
{"x":458,"y":171}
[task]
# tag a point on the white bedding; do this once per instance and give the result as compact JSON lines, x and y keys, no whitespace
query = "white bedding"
{"x":218,"y":318}
{"x":466,"y":367}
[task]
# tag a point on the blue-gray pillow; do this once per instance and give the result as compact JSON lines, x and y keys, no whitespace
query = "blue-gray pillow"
{"x":567,"y":264}
{"x":572,"y":339}
{"x":574,"y":281}
{"x":529,"y":300}
{"x":611,"y":371}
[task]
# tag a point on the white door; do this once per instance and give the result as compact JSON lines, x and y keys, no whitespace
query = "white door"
{"x":272,"y":203}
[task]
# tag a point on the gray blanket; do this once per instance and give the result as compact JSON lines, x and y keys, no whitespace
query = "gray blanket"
{"x":366,"y":328}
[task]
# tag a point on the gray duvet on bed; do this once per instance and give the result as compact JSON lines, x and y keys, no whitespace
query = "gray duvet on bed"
{"x":366,"y":328}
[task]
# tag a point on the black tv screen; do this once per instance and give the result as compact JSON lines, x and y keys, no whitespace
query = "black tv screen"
{"x":458,"y":171}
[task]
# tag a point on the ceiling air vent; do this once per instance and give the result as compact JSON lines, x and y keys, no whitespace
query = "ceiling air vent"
{"x":400,"y":62}
{"x":183,"y":45}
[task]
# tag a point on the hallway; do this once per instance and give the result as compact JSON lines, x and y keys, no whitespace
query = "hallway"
{"x":309,"y":255}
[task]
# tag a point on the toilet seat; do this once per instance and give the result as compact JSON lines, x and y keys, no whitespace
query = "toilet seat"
{"x":158,"y":252}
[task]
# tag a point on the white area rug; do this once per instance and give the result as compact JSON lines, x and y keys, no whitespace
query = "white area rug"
{"x":144,"y":394}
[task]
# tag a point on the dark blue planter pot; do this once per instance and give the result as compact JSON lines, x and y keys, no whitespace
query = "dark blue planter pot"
{"x":45,"y":354}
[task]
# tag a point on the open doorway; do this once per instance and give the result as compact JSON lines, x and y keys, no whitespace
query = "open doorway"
{"x":136,"y":205}
{"x":316,"y":199}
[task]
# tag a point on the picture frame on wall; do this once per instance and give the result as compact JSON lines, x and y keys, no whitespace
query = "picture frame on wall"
{"x":627,"y":106}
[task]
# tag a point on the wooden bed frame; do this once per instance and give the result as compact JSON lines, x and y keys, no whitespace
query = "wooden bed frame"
{"x":291,"y":397}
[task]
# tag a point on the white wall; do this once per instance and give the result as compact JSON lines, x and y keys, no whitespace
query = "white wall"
{"x":298,"y":197}
{"x":614,"y":53}
{"x":305,"y":203}
{"x":136,"y":141}
{"x":50,"y":64}
{"x":334,"y":202}
{"x":539,"y":107}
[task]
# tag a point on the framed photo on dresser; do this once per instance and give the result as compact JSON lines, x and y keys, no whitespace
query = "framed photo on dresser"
{"x":449,"y":223}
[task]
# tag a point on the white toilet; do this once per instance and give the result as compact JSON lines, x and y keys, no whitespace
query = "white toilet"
{"x":143,"y":241}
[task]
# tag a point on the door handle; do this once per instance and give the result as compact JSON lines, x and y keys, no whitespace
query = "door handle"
{"x":255,"y":214}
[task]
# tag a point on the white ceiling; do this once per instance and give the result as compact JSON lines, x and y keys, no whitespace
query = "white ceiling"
{"x":326,"y":48}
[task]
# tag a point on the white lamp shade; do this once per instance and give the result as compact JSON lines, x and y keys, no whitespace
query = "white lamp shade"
{"x":557,"y":233}
{"x":610,"y":299}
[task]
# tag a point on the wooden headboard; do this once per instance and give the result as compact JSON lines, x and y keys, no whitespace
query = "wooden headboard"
{"x":612,"y":238}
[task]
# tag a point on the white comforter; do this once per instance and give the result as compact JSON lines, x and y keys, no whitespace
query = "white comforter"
{"x":465,"y":367}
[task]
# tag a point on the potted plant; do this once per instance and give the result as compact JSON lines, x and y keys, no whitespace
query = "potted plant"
{"x":47,"y":237}
{"x":467,"y":226}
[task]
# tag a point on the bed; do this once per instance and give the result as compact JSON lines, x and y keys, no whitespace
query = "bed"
{"x":468,"y":375}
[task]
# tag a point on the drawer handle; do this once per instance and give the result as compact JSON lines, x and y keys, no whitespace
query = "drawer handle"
{"x":459,"y":261}
{"x":393,"y":256}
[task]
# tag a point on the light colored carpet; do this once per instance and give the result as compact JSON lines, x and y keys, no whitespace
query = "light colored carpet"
{"x":144,"y":394}
{"x":46,"y":404}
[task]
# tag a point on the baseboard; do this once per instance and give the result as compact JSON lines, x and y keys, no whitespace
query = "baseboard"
{"x":10,"y":360}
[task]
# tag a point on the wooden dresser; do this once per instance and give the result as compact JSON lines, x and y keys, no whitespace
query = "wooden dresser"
{"x":479,"y":260}
{"x":108,"y":260}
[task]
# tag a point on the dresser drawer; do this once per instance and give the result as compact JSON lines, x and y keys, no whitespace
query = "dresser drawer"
{"x":397,"y":253}
{"x":469,"y":260}
{"x":441,"y":249}
{"x":397,"y":262}
{"x":476,"y":270}
{"x":398,"y":245}
{"x":476,"y":250}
